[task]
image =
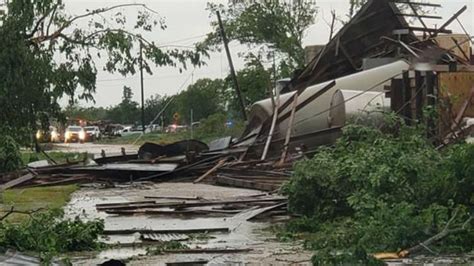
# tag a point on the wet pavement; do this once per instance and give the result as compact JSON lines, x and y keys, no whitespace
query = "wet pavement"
{"x":243,"y":234}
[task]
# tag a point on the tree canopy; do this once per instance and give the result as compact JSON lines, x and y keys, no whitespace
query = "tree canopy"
{"x":35,"y":33}
{"x":270,"y":26}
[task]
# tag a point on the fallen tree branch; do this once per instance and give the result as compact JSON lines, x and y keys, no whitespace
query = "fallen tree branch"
{"x":12,"y":211}
{"x":441,"y":235}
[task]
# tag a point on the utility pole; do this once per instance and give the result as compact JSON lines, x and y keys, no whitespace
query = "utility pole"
{"x":192,"y":122}
{"x":231,"y":64}
{"x":142,"y":87}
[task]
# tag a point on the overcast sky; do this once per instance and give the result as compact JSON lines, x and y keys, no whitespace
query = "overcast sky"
{"x":188,"y":22}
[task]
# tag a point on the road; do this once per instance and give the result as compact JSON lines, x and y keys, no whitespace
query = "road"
{"x":96,"y":149}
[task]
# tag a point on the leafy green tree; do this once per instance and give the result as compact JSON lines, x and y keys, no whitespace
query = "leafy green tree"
{"x":128,"y":111}
{"x":204,"y":97}
{"x":34,"y":33}
{"x":255,"y":82}
{"x":277,"y":25}
{"x":153,"y":107}
{"x":86,"y":113}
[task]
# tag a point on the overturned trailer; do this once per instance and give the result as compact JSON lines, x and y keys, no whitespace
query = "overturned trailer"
{"x":368,"y":66}
{"x":318,"y":118}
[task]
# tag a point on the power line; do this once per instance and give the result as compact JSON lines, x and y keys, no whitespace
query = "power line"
{"x":182,"y":40}
{"x":150,"y":78}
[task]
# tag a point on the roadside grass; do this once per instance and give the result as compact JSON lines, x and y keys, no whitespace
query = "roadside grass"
{"x":163,"y":138}
{"x":59,"y":157}
{"x":30,"y":199}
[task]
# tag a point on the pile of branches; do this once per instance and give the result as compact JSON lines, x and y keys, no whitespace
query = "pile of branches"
{"x":377,"y":191}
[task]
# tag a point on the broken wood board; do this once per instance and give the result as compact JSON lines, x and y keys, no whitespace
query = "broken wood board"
{"x":166,"y":231}
{"x":17,"y":181}
{"x":182,"y":205}
{"x":234,"y":182}
{"x":207,"y":250}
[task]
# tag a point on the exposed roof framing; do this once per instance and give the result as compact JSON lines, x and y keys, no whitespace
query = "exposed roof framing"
{"x":362,"y":37}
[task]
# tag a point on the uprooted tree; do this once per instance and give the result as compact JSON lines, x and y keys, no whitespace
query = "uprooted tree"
{"x":45,"y":55}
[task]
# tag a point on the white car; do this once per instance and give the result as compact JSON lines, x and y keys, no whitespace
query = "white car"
{"x":92,"y":133}
{"x":74,"y":134}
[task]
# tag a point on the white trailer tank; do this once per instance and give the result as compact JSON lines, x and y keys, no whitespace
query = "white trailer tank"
{"x":352,"y":95}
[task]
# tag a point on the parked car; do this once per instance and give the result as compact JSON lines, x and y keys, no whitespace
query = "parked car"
{"x":92,"y":133}
{"x":74,"y":134}
{"x":176,"y":128}
{"x":52,"y":135}
{"x":126,"y":131}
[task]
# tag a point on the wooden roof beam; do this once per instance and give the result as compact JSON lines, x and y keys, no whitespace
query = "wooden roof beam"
{"x":453,"y":18}
{"x":430,"y":30}
{"x":420,"y":16}
{"x":415,"y":3}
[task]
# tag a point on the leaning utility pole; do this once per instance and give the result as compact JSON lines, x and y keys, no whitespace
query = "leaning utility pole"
{"x":141,"y":80}
{"x":231,"y":64}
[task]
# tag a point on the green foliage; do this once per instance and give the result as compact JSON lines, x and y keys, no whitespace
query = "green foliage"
{"x":49,"y":234}
{"x":255,"y":83}
{"x":34,"y":33}
{"x":30,"y":199}
{"x":278,"y":25}
{"x":379,"y":191}
{"x":203,"y":97}
{"x":128,"y":111}
{"x":162,"y":247}
{"x":10,"y":157}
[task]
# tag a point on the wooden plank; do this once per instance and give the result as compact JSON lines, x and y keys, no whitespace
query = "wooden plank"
{"x":430,"y":30}
{"x":265,"y":210}
{"x":166,"y":231}
{"x":445,"y":68}
{"x":208,"y":251}
{"x":420,"y":90}
{"x":419,"y":16}
{"x":450,"y":20}
{"x":457,"y":86}
{"x":212,"y":170}
{"x":415,"y":3}
{"x":184,"y":204}
{"x":348,"y":57}
{"x":169,"y":213}
{"x":406,"y":97}
{"x":307,"y":101}
{"x":17,"y":181}
{"x":396,"y":95}
{"x":468,"y":58}
{"x":245,"y":184}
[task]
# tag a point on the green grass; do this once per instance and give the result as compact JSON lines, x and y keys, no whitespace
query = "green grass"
{"x":59,"y":157}
{"x":29,"y":199}
{"x":160,"y":138}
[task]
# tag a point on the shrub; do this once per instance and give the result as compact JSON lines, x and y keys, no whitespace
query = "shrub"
{"x":49,"y":234}
{"x":10,"y":157}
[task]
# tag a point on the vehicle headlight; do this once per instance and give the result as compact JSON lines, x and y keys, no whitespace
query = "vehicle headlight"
{"x":82,"y":135}
{"x":38,"y":134}
{"x":54,"y":135}
{"x":67,"y":135}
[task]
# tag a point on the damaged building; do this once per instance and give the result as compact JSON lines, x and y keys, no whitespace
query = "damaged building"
{"x":377,"y":62}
